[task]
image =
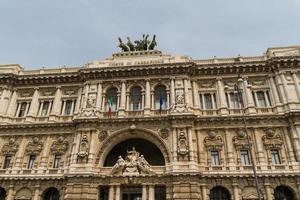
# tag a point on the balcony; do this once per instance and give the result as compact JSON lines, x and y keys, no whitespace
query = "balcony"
{"x":135,"y":113}
{"x":211,"y":112}
{"x":265,"y":110}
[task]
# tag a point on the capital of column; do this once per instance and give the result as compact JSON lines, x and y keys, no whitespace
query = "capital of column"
{"x":294,"y":71}
{"x":36,"y":88}
{"x":58,"y":87}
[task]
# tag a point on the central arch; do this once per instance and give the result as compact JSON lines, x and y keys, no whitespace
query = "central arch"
{"x":127,"y":134}
{"x":144,"y":147}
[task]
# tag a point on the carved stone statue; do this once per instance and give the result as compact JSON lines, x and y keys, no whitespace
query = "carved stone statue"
{"x":130,"y":44}
{"x":153,"y":43}
{"x":122,"y":45}
{"x":83,"y":153}
{"x":133,"y":165}
{"x":139,"y":45}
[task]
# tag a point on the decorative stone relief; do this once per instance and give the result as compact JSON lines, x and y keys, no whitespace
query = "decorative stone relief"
{"x":240,"y":141}
{"x":134,"y":164}
{"x":34,"y":147}
{"x":213,"y":141}
{"x":91,"y":101}
{"x":272,"y":140}
{"x":182,"y":146}
{"x":180,"y":105}
{"x":90,"y":110}
{"x":59,"y":146}
{"x":102,"y":135}
{"x":83,"y":153}
{"x":207,"y":84}
{"x":10,"y":148}
{"x":164,"y":133}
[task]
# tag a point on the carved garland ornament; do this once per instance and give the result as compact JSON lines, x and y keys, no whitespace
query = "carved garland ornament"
{"x":272,"y":140}
{"x":102,"y":135}
{"x":10,"y":148}
{"x":34,"y":147}
{"x":164,"y":133}
{"x":60,"y":146}
{"x":240,"y":141}
{"x":213,"y":141}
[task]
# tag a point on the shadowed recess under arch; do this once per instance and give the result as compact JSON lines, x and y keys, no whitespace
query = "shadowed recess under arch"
{"x":151,"y":153}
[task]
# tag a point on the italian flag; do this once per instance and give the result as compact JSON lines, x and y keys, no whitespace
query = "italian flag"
{"x":109,"y":101}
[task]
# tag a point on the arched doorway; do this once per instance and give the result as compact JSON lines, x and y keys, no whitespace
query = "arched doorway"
{"x":51,"y":194}
{"x":283,"y":193}
{"x":2,"y":193}
{"x":219,"y":193}
{"x":150,"y":152}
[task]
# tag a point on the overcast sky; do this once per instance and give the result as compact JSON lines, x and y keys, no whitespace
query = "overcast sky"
{"x":52,"y":33}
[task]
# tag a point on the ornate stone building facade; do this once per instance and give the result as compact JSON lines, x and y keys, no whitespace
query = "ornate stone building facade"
{"x":143,"y":125}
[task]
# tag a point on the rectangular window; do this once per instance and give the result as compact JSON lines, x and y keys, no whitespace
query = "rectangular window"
{"x":22,"y":109}
{"x":275,"y":157}
{"x":44,"y":108}
{"x":103,"y":193}
{"x":57,"y":161}
{"x":261,"y":100}
{"x":31,"y":161}
{"x":68,"y":107}
{"x":7,"y":161}
{"x":245,"y":158}
{"x":208,"y":101}
{"x":215,"y":158}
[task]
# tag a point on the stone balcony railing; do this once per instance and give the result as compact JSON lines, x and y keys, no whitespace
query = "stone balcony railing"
{"x":135,"y":113}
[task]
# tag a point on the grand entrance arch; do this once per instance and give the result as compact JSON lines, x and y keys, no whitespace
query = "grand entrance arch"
{"x":137,"y":137}
{"x":134,"y":161}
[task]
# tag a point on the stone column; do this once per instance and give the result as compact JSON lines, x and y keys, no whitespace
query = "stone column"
{"x":86,"y":95}
{"x":118,"y":192}
{"x":78,"y":100}
{"x":229,"y":146}
{"x":151,"y":192}
{"x":174,"y":141}
{"x":147,"y":98}
{"x":204,"y":191}
{"x":249,"y":104}
{"x":259,"y":147}
{"x":37,"y":192}
{"x":99,"y":97}
{"x":45,"y":153}
{"x":284,"y":84}
{"x":11,"y":191}
{"x":172,"y":92}
{"x":279,"y":84}
{"x":289,"y":145}
{"x":11,"y":110}
{"x":4,"y":100}
{"x":274,"y":91}
{"x":34,"y":106}
{"x":296,"y":82}
{"x":186,"y":92}
{"x":222,"y":97}
{"x":190,"y":142}
{"x":111,"y":193}
{"x":57,"y":102}
{"x":295,"y":138}
{"x":20,"y":154}
{"x":144,"y":192}
{"x":268,"y":191}
{"x":196,"y":94}
{"x":236,"y":195}
{"x":123,"y":99}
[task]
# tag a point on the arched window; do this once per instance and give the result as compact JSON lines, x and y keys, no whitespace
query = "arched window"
{"x":283,"y":193}
{"x":112,"y":99}
{"x":51,"y":194}
{"x":2,"y":193}
{"x":160,"y":97}
{"x":219,"y":193}
{"x":136,"y":98}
